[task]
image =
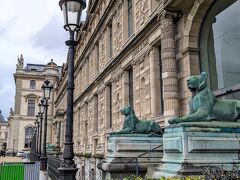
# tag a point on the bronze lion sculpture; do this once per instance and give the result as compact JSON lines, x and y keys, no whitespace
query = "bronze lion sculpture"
{"x":204,"y":106}
{"x":133,"y":125}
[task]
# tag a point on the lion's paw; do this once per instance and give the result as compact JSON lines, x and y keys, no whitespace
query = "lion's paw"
{"x":174,"y":121}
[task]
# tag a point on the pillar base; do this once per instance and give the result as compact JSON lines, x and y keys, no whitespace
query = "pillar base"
{"x":67,"y":173}
{"x":123,"y":150}
{"x":191,"y":147}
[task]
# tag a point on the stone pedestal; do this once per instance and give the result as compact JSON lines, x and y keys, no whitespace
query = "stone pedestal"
{"x":189,"y":147}
{"x":123,"y":149}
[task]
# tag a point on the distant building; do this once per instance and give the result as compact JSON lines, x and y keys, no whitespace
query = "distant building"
{"x":28,"y":81}
{"x":3,"y":132}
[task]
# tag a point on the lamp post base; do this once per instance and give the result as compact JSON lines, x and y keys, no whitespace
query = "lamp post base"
{"x":43,"y":175}
{"x":43,"y":165}
{"x":67,"y":173}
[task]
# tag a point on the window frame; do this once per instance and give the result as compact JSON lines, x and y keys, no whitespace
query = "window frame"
{"x":32,"y":84}
{"x":31,"y":107}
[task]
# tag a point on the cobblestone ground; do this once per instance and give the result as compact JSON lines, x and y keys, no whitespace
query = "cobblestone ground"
{"x":10,"y":159}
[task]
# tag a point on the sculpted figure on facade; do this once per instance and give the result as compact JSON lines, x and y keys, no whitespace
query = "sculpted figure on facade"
{"x":102,"y":52}
{"x":133,"y":125}
{"x":204,"y":106}
{"x":118,"y":31}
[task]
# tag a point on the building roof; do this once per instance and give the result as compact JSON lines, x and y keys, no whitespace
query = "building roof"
{"x":1,"y":117}
{"x":35,"y":67}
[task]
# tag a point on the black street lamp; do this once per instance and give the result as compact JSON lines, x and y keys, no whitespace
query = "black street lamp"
{"x":72,"y":10}
{"x":36,"y":127}
{"x":13,"y":146}
{"x":40,"y":115}
{"x":46,"y":87}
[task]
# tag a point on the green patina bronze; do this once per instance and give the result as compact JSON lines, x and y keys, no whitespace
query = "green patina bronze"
{"x":204,"y":106}
{"x":133,"y":125}
{"x":50,"y":146}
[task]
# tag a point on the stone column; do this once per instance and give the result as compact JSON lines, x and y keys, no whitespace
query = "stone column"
{"x":169,"y":67}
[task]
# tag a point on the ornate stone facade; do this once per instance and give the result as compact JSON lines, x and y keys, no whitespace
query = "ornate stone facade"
{"x":29,"y":80}
{"x":147,"y":67}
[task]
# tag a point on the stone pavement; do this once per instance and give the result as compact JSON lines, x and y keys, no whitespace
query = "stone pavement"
{"x":10,"y":159}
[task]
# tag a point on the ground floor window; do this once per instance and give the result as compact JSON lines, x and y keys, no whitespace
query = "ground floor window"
{"x":28,"y":137}
{"x":220,"y":48}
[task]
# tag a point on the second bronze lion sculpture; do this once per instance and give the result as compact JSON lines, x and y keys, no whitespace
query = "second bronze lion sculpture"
{"x":204,"y":106}
{"x":133,"y":125}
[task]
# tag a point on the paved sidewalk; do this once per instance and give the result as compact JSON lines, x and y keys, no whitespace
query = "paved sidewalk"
{"x":10,"y":159}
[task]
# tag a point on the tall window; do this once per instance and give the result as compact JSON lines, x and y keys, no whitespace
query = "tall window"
{"x":109,"y":105}
{"x":79,"y":120}
{"x":220,"y":47}
{"x":130,"y":87}
{"x":32,"y":84}
{"x":96,"y":113}
{"x":161,"y":81}
{"x":130,"y":18}
{"x":31,"y":107}
{"x":28,"y":137}
{"x":110,"y":40}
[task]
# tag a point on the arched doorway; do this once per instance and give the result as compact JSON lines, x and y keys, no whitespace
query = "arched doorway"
{"x":220,"y":48}
{"x":28,"y":137}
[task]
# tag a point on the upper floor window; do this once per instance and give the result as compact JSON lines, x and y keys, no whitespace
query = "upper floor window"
{"x":130,"y":18}
{"x":220,"y":47}
{"x":31,"y":107}
{"x":32,"y":84}
{"x":110,"y":39}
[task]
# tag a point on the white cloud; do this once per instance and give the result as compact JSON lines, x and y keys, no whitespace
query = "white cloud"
{"x":34,"y":29}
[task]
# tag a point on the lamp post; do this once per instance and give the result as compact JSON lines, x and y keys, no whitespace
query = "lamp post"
{"x":46,"y":87}
{"x":36,"y":126}
{"x":36,"y":138}
{"x":40,"y":114}
{"x":72,"y":10}
{"x":13,"y":146}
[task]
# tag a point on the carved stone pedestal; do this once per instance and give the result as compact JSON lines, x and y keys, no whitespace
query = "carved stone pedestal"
{"x":122,"y":152}
{"x":189,"y":147}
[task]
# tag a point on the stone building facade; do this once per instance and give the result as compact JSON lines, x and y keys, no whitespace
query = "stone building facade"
{"x":141,"y":53}
{"x":28,"y":81}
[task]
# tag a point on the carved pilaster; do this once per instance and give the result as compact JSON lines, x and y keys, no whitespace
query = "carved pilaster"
{"x":169,"y":66}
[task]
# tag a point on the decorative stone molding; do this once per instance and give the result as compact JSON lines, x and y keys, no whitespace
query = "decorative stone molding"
{"x":32,"y":96}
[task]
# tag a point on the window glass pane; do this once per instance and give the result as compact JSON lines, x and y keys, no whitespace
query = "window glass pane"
{"x":28,"y":137}
{"x":32,"y":84}
{"x":31,"y":107}
{"x":130,"y":80}
{"x":220,"y":46}
{"x":130,"y":31}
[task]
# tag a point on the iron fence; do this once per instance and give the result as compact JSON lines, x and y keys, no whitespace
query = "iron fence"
{"x":53,"y":165}
{"x":19,"y":171}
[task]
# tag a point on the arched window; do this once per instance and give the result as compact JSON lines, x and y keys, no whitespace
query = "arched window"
{"x":220,"y":48}
{"x":28,"y":137}
{"x":32,"y":84}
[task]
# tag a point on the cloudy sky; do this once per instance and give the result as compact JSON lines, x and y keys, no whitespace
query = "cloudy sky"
{"x":33,"y":28}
